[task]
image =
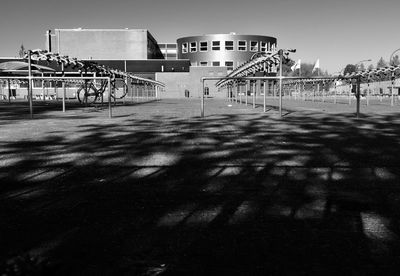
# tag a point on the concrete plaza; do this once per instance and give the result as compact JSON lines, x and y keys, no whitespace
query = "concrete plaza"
{"x":157,"y":190}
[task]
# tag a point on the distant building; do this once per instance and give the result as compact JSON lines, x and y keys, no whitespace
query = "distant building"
{"x":169,"y":50}
{"x":104,"y":44}
{"x":230,"y":50}
{"x":179,"y":65}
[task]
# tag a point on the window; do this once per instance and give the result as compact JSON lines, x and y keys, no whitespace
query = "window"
{"x":215,"y":63}
{"x":216,"y":45}
{"x":229,"y":45}
{"x":203,"y":63}
{"x":184,"y":48}
{"x":171,"y":46}
{"x":263,"y":46}
{"x":203,"y":46}
{"x":229,"y":64}
{"x":171,"y":56}
{"x":254,"y":46}
{"x":193,"y":46}
{"x":242,"y":45}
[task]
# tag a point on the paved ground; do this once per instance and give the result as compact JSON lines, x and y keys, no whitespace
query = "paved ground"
{"x":156,"y":190}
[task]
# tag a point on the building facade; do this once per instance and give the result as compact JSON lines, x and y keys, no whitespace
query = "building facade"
{"x":229,"y":50}
{"x":169,"y":50}
{"x":104,"y":44}
{"x":179,"y":65}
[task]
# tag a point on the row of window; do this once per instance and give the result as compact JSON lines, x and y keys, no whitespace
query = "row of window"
{"x":228,"y":64}
{"x":254,"y":46}
{"x":167,"y":45}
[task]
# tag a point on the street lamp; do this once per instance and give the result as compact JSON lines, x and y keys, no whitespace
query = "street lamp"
{"x":281,"y":53}
{"x":391,"y":57}
{"x":361,"y":61}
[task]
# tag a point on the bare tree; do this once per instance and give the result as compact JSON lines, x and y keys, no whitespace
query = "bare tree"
{"x":21,"y":52}
{"x":381,"y":63}
{"x":395,"y":61}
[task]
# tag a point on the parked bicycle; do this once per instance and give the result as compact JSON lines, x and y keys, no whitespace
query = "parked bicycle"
{"x":91,"y":91}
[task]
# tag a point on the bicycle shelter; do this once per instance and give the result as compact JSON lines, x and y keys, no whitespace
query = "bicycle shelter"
{"x":86,"y":74}
{"x":271,"y":62}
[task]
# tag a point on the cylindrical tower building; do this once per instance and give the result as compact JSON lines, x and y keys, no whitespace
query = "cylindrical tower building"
{"x":230,"y":50}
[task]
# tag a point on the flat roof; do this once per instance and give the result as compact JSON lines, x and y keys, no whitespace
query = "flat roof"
{"x":120,"y":30}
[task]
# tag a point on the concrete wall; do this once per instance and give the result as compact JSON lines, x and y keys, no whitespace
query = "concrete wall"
{"x":102,"y":44}
{"x":197,"y":72}
{"x":177,"y":83}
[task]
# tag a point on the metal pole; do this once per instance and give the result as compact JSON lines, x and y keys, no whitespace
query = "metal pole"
{"x":43,"y":88}
{"x":313,"y":99}
{"x":247,"y":88}
{"x":9,"y":90}
{"x":131,"y":94}
{"x":254,"y":93}
{"x":392,"y":98}
{"x":137,"y":92}
{"x":240,"y":94}
{"x":109,"y":98}
{"x":126,"y":87}
{"x":334,"y":100}
{"x":202,"y":101}
{"x":368,"y":92}
{"x":351,"y":86}
{"x":237,"y":93}
{"x":147,"y":93}
{"x":30,"y":83}
{"x":132,"y":91}
{"x":64,"y":89}
{"x":358,"y":96}
{"x":2,"y":90}
{"x":265,"y":95}
{"x":280,"y":82}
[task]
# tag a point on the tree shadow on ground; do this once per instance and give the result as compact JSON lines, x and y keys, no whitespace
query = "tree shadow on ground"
{"x":313,"y":194}
{"x":19,"y":110}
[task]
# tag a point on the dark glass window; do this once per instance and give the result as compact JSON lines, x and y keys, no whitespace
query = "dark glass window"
{"x":229,"y":64}
{"x":254,"y":46}
{"x":229,"y":45}
{"x":193,"y":46}
{"x":184,"y":48}
{"x":216,"y":45}
{"x":203,"y":46}
{"x":242,"y":45}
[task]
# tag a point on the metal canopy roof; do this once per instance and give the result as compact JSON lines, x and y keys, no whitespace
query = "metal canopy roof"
{"x":15,"y":66}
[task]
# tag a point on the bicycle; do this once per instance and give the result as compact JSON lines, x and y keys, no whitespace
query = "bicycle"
{"x":89,"y":93}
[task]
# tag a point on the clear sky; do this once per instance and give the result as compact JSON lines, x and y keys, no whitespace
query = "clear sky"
{"x":337,"y":32}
